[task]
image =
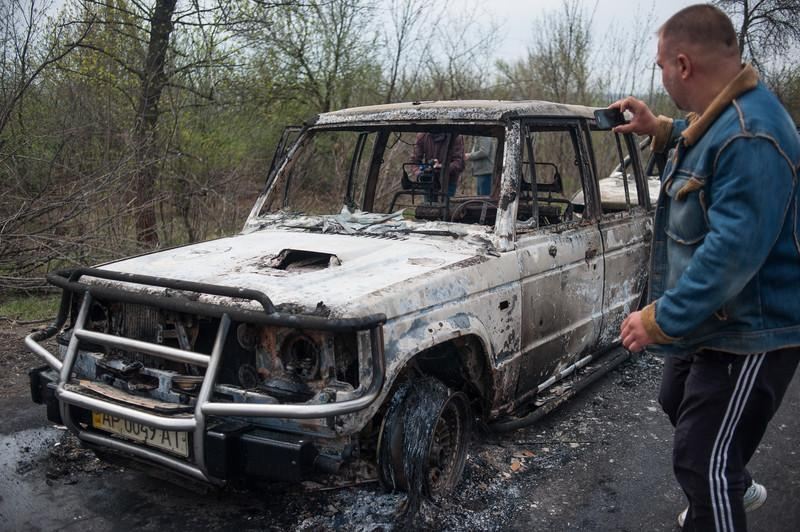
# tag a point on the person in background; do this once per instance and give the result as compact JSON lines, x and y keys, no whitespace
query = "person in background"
{"x":482,"y":158}
{"x":431,"y":148}
{"x":725,"y":266}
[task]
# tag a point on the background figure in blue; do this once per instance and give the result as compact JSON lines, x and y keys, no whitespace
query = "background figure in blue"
{"x":431,"y":148}
{"x":482,"y":158}
{"x":725,"y":265}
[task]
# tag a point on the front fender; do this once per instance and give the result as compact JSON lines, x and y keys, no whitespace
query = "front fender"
{"x":421,"y":335}
{"x":424,"y":335}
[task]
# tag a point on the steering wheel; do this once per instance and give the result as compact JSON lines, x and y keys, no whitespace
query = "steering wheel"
{"x":457,"y":212}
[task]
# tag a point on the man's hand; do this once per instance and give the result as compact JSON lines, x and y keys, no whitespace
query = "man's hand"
{"x":643,"y":121}
{"x":633,"y":334}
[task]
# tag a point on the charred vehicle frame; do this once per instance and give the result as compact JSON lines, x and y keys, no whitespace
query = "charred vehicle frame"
{"x":373,"y":306}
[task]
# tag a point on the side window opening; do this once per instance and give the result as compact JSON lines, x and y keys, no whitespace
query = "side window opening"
{"x":615,"y":172}
{"x":551,"y":175}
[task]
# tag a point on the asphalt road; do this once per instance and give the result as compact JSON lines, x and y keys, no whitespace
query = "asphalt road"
{"x":600,"y":462}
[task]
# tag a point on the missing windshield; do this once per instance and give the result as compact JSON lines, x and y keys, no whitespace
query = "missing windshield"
{"x":442,"y":174}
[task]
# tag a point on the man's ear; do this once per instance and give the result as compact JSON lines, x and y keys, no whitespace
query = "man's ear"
{"x":684,"y":66}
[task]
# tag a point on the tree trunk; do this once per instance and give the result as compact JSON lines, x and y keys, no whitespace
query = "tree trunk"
{"x":153,"y":82}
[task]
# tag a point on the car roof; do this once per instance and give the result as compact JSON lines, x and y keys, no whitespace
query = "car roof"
{"x":452,"y":110}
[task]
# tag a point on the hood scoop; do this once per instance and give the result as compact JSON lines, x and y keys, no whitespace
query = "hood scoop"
{"x":299,"y":260}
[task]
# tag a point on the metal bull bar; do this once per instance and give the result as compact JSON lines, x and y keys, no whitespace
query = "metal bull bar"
{"x":195,"y":423}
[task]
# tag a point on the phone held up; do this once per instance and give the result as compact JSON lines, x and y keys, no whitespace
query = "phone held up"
{"x":609,"y":118}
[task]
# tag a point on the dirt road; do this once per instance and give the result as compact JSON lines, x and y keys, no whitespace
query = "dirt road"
{"x":600,"y":462}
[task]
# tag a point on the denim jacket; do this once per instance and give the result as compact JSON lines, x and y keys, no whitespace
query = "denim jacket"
{"x":725,"y":264}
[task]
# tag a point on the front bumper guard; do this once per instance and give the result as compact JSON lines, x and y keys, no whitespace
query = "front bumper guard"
{"x":68,"y":280}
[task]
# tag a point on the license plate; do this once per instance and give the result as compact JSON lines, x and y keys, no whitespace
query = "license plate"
{"x":173,"y":441}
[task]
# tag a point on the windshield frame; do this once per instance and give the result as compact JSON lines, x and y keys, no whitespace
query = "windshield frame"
{"x":384,"y":130}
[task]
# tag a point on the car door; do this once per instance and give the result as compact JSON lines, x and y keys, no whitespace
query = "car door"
{"x":559,"y":251}
{"x":625,"y":225}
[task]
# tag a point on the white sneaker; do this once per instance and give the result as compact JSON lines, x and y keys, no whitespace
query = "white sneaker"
{"x":682,"y":517}
{"x":753,"y":498}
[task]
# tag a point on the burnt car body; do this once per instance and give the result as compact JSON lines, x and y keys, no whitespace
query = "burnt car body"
{"x":362,"y":313}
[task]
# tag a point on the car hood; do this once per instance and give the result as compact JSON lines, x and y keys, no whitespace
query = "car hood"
{"x":299,"y":270}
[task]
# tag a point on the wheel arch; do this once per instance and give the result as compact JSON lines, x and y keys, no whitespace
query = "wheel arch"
{"x":456,"y":350}
{"x":462,"y":364}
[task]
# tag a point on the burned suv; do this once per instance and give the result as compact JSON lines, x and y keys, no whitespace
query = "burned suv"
{"x":409,"y":269}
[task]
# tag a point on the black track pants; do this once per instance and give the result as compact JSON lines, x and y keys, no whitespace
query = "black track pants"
{"x":720,"y":405}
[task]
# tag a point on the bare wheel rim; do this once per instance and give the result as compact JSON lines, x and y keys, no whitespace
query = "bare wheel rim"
{"x":448,"y":446}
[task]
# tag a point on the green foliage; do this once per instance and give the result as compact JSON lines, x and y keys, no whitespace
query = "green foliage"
{"x":236,"y":74}
{"x":785,"y":82}
{"x":769,"y":37}
{"x":30,"y":308}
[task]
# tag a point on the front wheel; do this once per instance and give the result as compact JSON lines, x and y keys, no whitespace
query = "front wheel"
{"x":423,"y":441}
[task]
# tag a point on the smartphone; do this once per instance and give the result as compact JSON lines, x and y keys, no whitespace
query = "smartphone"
{"x":609,"y":118}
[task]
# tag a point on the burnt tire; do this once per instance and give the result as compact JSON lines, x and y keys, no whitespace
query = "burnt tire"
{"x":423,"y":440}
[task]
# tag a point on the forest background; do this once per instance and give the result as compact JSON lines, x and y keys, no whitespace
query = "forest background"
{"x":129,"y":125}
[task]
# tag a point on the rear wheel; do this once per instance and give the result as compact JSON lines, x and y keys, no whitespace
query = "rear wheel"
{"x":423,"y":440}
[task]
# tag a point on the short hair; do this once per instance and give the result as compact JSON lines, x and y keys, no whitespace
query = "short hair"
{"x":702,"y":24}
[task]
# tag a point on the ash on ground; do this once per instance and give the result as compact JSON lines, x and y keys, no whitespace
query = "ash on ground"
{"x":502,"y":468}
{"x":68,"y":461}
{"x":505,"y":485}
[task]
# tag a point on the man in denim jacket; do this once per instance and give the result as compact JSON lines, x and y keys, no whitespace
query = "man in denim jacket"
{"x":725,"y":270}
